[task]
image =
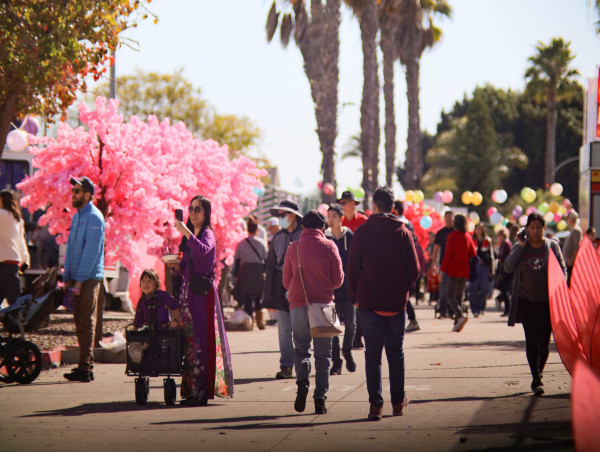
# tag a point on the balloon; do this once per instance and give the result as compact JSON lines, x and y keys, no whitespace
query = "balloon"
{"x":549,"y":217}
{"x":561,"y":225}
{"x":557,"y":217}
{"x":16,"y":140}
{"x":499,"y":196}
{"x":466,"y":197}
{"x":566,"y":203}
{"x":474,"y":217}
{"x":447,"y":196}
{"x":409,"y":196}
{"x":320,"y":185}
{"x":528,"y":195}
{"x":562,"y":210}
{"x":517,"y":211}
{"x":470,"y":226}
{"x":328,"y":189}
{"x":477,"y":198}
{"x":496,"y":218}
{"x":426,"y":222}
{"x":530,"y":210}
{"x":32,"y":125}
{"x":323,"y":209}
{"x":543,"y":207}
{"x":260,"y":191}
{"x":298,"y":181}
{"x":418,"y":196}
{"x":504,"y":222}
{"x":491,"y":211}
{"x":556,"y":189}
{"x":438,"y":196}
{"x":359,"y":193}
{"x":523,"y":220}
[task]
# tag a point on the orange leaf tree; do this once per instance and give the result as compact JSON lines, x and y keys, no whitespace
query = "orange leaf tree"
{"x":48,"y":48}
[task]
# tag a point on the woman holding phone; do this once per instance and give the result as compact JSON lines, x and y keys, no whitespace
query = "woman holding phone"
{"x":530,"y":303}
{"x":207,"y":364}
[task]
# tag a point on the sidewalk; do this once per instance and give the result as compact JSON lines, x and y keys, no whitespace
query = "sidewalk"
{"x":468,"y":391}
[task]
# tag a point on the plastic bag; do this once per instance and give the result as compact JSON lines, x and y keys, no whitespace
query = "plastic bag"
{"x":117,"y":345}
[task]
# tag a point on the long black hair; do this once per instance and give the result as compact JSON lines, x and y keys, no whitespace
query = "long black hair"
{"x":10,"y":203}
{"x":205,"y":203}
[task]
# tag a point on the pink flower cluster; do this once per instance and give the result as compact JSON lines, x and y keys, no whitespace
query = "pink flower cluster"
{"x":142,"y":172}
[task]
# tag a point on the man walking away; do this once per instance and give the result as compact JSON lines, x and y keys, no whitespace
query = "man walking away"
{"x":84,"y":271}
{"x":382,"y":267}
{"x":439,"y":248}
{"x":571,"y":245}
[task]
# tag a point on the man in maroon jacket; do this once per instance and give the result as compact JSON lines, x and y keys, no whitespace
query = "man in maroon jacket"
{"x":382,"y":266}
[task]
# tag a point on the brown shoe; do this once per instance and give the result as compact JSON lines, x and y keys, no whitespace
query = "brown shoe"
{"x":259,"y":320}
{"x":398,"y":408}
{"x":375,"y":413}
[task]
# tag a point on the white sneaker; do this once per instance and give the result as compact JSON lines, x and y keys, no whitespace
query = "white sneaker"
{"x":460,"y":324}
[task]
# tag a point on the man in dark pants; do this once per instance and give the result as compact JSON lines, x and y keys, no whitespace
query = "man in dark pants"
{"x":382,"y":267}
{"x":84,"y":271}
{"x":439,"y":249}
{"x":342,"y":237}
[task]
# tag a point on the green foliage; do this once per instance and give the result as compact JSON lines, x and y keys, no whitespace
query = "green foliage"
{"x":173,"y":96}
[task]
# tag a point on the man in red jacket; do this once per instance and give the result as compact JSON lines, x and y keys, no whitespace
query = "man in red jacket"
{"x":382,"y":266}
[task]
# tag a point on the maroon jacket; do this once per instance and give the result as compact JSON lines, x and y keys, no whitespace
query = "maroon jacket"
{"x":382,"y":264}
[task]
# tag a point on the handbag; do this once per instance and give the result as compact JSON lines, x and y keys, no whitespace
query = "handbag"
{"x":322,"y":317}
{"x":201,"y":285}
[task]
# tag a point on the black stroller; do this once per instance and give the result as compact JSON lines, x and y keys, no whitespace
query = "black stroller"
{"x":153,"y":353}
{"x":21,"y":360}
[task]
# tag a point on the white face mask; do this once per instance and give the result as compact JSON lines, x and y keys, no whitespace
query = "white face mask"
{"x":283,"y":222}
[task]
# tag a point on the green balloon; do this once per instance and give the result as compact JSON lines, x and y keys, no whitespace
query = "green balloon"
{"x":543,"y":207}
{"x":359,"y":193}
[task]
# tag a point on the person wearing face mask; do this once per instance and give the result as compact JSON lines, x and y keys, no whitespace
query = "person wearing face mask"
{"x":275,"y":296}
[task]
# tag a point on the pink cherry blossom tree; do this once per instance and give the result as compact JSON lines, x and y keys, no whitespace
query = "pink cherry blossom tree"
{"x":142,"y":172}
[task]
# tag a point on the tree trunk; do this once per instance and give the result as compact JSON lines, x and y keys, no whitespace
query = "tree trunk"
{"x":414,"y":158}
{"x":369,"y":119}
{"x":320,"y":51}
{"x":6,"y":115}
{"x":389,"y":54}
{"x":550,"y":157}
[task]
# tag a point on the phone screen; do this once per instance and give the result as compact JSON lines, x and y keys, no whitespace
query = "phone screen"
{"x":179,"y":214}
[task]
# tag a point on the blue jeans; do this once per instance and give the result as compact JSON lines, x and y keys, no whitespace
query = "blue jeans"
{"x":322,"y":350}
{"x":479,"y":289}
{"x":381,"y":331}
{"x":286,"y":346}
{"x":347,"y":313}
{"x":443,"y":300}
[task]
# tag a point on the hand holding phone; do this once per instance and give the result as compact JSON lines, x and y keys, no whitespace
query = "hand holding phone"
{"x":179,"y":214}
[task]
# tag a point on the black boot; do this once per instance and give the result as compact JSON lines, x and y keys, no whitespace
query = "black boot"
{"x":300,"y":403}
{"x":320,"y":407}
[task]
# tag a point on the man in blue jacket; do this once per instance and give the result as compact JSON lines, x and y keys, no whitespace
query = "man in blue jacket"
{"x":84,"y":271}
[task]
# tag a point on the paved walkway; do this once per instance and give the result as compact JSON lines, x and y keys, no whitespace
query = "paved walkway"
{"x":468,"y":391}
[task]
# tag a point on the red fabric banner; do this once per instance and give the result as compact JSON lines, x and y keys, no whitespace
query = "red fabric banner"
{"x":564,"y":326}
{"x":585,"y":415}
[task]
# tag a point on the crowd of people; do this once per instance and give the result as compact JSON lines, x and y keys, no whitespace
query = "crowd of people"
{"x":365,"y":264}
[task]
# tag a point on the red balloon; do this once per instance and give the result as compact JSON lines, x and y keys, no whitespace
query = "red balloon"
{"x":328,"y":189}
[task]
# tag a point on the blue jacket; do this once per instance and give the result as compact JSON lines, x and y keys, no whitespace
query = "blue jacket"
{"x":85,"y":248}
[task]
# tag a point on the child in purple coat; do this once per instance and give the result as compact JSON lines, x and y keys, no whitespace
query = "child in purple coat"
{"x":167,"y":307}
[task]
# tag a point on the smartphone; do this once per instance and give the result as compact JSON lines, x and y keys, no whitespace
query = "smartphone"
{"x":522,"y":234}
{"x":179,"y":214}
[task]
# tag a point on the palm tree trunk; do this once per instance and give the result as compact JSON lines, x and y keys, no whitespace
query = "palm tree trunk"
{"x":389,"y":54}
{"x":551,"y":121}
{"x":414,"y":157}
{"x":320,"y":51}
{"x":369,"y":119}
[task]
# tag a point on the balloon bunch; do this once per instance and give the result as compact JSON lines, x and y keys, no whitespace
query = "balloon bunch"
{"x":474,"y":198}
{"x":414,"y":196}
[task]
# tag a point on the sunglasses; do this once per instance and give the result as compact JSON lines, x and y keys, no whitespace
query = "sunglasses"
{"x":76,"y":190}
{"x":196,"y":209}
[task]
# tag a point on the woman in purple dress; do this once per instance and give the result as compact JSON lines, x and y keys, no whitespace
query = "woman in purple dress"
{"x":207,"y":364}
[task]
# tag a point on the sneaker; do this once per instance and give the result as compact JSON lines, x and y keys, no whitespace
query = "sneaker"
{"x":320,"y":407}
{"x":350,"y":363}
{"x":336,"y":369}
{"x":459,"y":324}
{"x":285,"y":372}
{"x":398,"y":408}
{"x":413,"y":326}
{"x":78,"y":374}
{"x":537,"y":387}
{"x":375,"y":413}
{"x":300,"y":403}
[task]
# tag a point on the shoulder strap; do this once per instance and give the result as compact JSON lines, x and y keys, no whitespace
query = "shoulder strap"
{"x":300,"y":272}
{"x":254,"y":249}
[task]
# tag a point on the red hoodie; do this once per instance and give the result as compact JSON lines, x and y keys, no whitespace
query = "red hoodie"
{"x":459,"y":249}
{"x":321,"y":269}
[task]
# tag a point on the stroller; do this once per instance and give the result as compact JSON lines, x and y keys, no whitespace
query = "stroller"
{"x":153,"y":353}
{"x":21,"y":360}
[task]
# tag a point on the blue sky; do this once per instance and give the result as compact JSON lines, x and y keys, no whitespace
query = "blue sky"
{"x":222,"y":47}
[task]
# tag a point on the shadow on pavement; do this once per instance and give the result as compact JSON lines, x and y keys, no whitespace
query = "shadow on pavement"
{"x":109,"y":407}
{"x":245,"y":381}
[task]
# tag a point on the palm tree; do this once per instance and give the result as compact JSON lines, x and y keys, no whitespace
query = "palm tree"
{"x":366,"y":11}
{"x":551,"y":79}
{"x":389,"y":23}
{"x":317,"y":36}
{"x":414,"y":37}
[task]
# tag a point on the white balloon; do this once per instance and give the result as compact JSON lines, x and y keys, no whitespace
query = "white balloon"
{"x":496,"y":218}
{"x":523,"y":220}
{"x":16,"y":140}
